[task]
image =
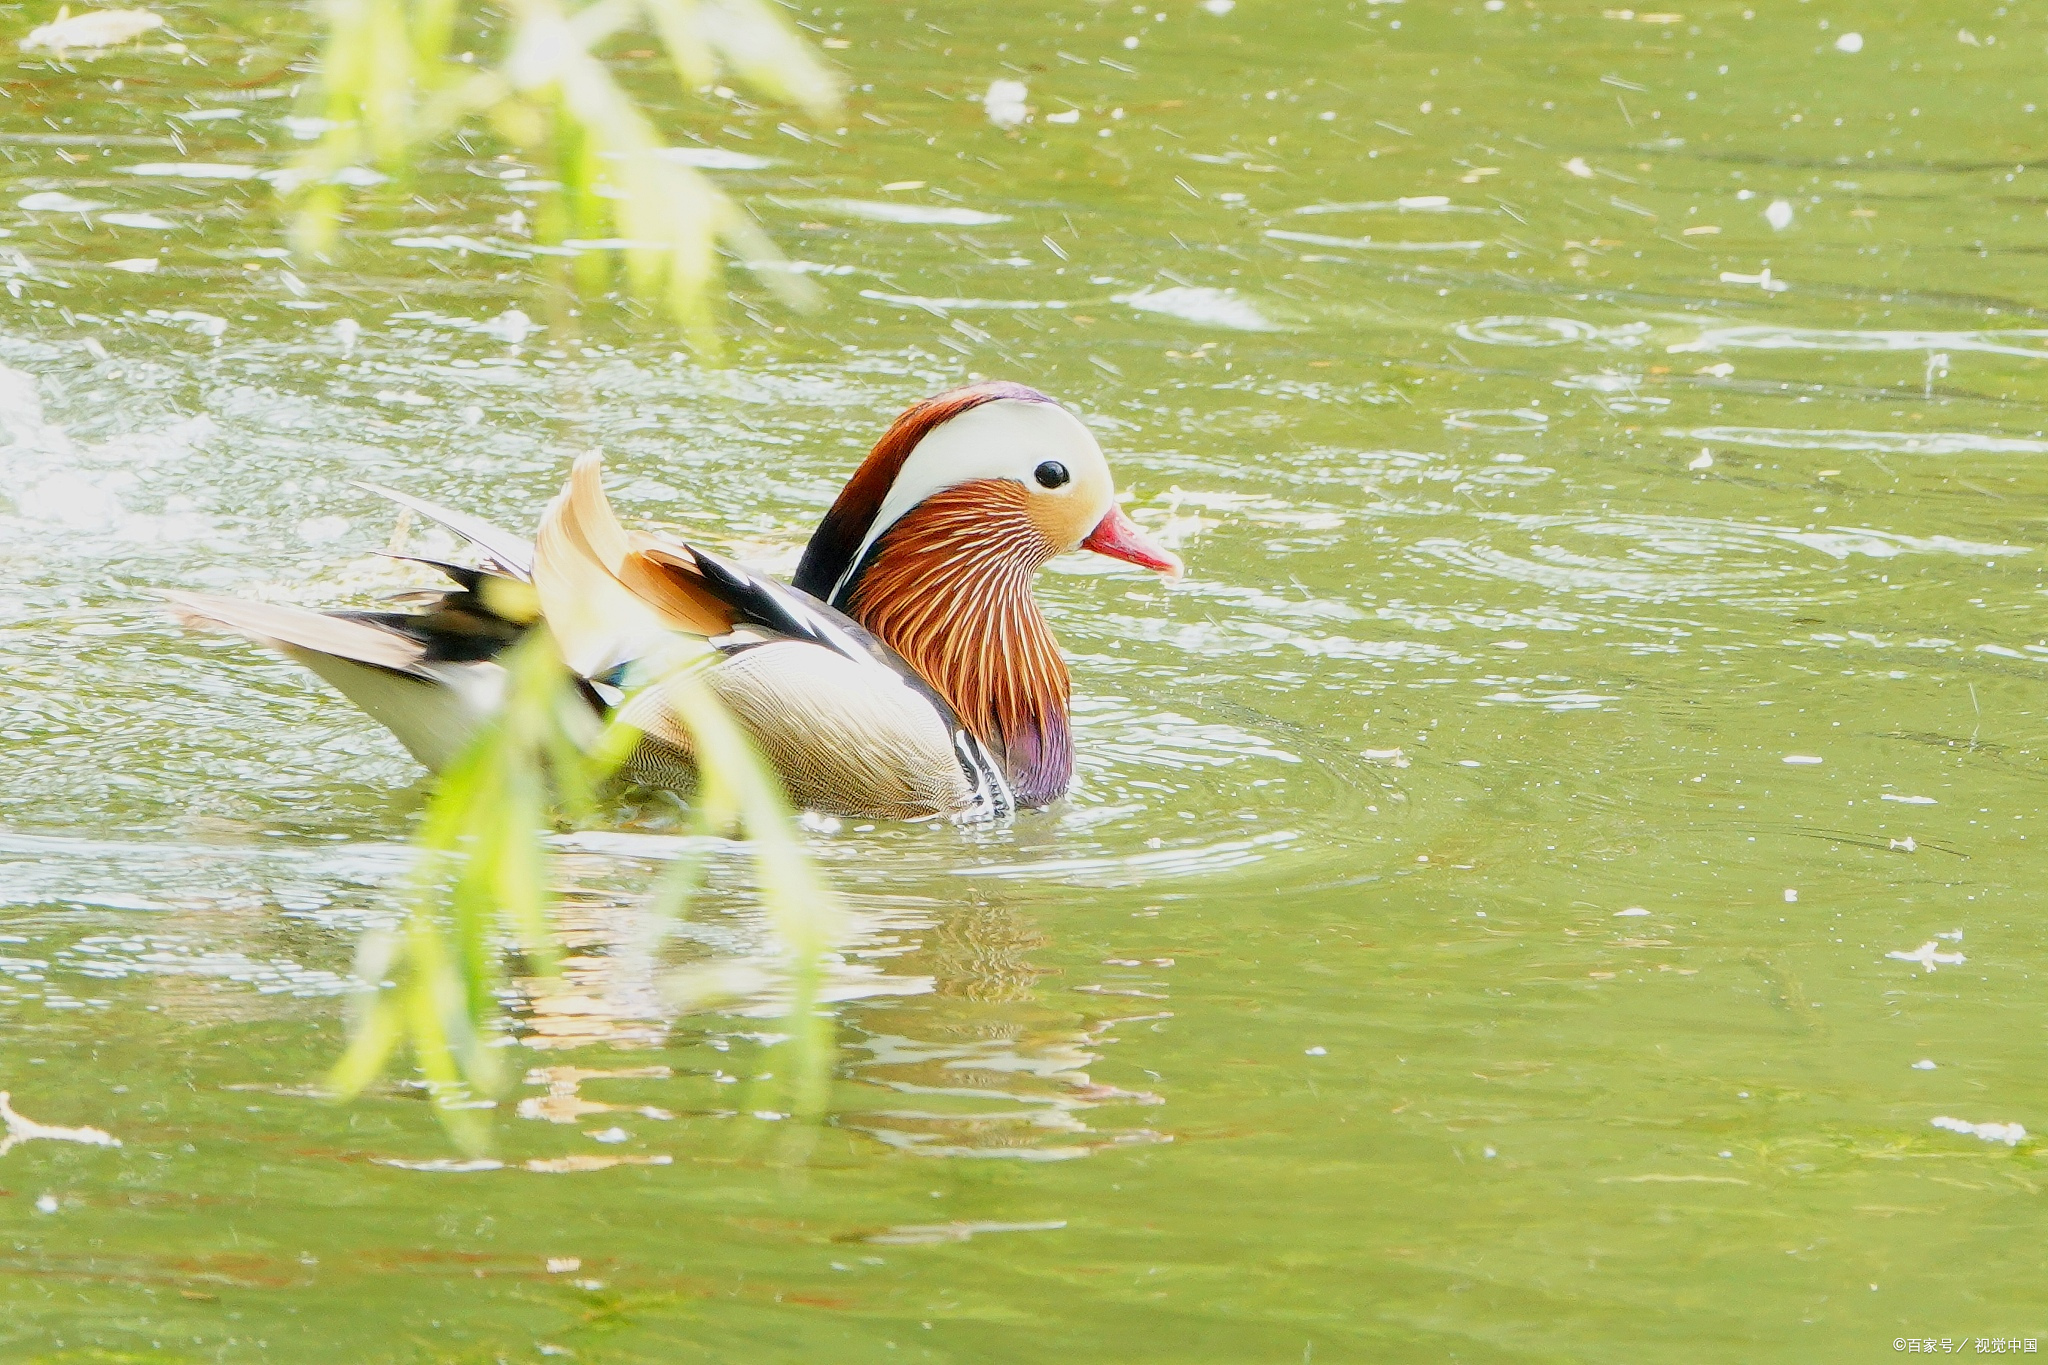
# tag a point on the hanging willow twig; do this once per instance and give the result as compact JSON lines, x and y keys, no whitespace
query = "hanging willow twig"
{"x":391,"y":85}
{"x":481,"y":884}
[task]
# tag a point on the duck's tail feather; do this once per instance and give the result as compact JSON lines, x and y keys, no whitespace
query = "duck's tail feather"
{"x":513,"y":554}
{"x":354,"y":639}
{"x":606,"y":602}
{"x":600,"y":583}
{"x":471,"y":623}
{"x":433,"y":705}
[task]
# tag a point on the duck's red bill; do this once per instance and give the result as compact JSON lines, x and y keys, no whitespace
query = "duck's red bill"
{"x":1117,"y":536}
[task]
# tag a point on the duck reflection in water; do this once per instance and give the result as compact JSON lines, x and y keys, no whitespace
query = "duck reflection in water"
{"x":944,"y":1026}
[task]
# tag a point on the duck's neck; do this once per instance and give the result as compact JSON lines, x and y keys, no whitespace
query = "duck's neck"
{"x":948,"y":587}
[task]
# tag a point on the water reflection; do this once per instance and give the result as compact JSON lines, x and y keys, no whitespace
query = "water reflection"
{"x":990,"y":1065}
{"x":941,"y":1009}
{"x":944,"y":1010}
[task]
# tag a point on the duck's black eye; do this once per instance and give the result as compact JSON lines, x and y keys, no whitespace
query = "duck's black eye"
{"x":1051,"y":474}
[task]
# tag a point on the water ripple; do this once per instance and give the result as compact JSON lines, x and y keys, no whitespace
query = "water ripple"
{"x":1875,"y":442}
{"x":1540,"y":331}
{"x":2015,"y":342}
{"x":1672,"y":558}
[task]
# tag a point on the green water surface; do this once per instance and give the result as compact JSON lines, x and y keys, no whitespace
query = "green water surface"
{"x":1529,"y":895}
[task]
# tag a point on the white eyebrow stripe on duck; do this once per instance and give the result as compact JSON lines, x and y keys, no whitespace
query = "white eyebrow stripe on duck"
{"x":1006,"y":438}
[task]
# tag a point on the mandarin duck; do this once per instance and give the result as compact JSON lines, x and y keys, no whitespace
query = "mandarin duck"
{"x":908,"y":672}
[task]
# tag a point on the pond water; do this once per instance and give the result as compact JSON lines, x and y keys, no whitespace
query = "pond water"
{"x":1552,"y":884}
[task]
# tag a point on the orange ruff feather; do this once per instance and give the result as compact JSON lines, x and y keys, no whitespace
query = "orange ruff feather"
{"x":949,"y":589}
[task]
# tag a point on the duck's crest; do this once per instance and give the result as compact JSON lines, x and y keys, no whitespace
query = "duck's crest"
{"x":839,"y":537}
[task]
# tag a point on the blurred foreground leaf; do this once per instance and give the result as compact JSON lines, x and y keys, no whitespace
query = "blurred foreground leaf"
{"x":482,"y":886}
{"x":392,"y":85}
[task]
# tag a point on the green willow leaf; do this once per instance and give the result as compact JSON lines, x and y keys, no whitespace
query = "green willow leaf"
{"x":391,"y":87}
{"x":482,"y":884}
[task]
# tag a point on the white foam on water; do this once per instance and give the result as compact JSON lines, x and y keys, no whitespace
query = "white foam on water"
{"x":1005,"y":103}
{"x":511,"y":326}
{"x":2011,"y":1134}
{"x":1420,"y":203}
{"x":70,"y":499}
{"x":919,"y":215}
{"x":942,"y":306}
{"x":1198,"y":303}
{"x":190,"y":320}
{"x":322,"y":530}
{"x":91,"y":29}
{"x":1367,"y":243}
{"x":1556,"y":701}
{"x":194,"y":170}
{"x":1930,"y":956}
{"x":138,"y":220}
{"x":21,"y":408}
{"x":715,"y":159}
{"x":442,"y":1165}
{"x":19,"y":1129}
{"x":56,"y":201}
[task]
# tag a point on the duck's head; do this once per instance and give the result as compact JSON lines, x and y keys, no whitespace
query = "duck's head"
{"x":1006,"y":447}
{"x":933,"y":544}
